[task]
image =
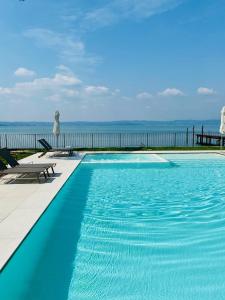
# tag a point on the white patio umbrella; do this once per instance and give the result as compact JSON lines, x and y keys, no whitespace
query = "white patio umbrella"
{"x":56,"y":127}
{"x":222,"y":124}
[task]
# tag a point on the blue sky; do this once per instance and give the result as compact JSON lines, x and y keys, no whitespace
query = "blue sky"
{"x":112,"y":60}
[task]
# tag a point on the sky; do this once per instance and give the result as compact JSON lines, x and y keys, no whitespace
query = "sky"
{"x":105,"y":60}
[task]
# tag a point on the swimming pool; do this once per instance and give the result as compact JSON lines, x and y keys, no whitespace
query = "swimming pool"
{"x":128,"y":231}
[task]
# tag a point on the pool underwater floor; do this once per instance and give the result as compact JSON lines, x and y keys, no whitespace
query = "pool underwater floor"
{"x":128,"y":231}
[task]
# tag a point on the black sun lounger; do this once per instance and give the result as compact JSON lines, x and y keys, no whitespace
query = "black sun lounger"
{"x":5,"y":153}
{"x":49,"y":148}
{"x":37,"y":172}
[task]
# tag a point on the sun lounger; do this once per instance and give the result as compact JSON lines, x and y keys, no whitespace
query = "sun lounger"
{"x":4,"y":153}
{"x":2,"y":167}
{"x":37,"y":171}
{"x":49,"y":148}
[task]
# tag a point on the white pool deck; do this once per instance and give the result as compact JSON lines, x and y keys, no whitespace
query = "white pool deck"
{"x":22,"y":204}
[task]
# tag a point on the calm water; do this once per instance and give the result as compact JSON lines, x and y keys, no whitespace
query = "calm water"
{"x":128,"y":231}
{"x":135,"y":126}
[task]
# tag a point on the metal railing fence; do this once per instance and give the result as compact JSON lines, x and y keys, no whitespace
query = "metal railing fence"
{"x":101,"y":140}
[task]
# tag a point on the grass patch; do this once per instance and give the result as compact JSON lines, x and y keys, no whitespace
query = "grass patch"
{"x":19,"y":154}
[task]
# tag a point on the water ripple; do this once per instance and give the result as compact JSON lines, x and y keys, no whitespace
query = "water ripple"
{"x":153,"y":233}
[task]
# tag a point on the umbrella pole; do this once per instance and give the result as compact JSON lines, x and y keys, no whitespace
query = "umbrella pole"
{"x":221,"y":142}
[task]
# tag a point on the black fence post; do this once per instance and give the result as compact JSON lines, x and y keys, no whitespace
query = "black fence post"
{"x":92,"y":140}
{"x":35,"y":141}
{"x":64,"y":140}
{"x":187,"y":140}
{"x":175,"y":139}
{"x":193,"y":136}
{"x":120,"y":140}
{"x":6,"y":141}
{"x":202,"y":134}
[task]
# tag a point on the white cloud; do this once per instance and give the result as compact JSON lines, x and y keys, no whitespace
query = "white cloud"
{"x":61,"y":87}
{"x":69,"y":18}
{"x":67,"y":47}
{"x":96,"y":90}
{"x":115,"y":10}
{"x":62,"y":79}
{"x":126,"y":98}
{"x":171,"y":92}
{"x":5,"y":91}
{"x":61,"y":83}
{"x":64,"y":69}
{"x":51,"y":39}
{"x":54,"y":98}
{"x":58,"y":81}
{"x":144,"y":96}
{"x":23,"y":72}
{"x":70,"y":92}
{"x":206,"y":91}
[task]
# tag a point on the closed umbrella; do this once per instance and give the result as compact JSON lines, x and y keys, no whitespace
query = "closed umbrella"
{"x":222,"y":124}
{"x":56,"y":127}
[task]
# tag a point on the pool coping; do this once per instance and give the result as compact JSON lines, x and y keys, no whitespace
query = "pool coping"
{"x":20,"y":219}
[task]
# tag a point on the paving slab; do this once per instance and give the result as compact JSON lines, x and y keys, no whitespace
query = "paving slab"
{"x":22,"y":202}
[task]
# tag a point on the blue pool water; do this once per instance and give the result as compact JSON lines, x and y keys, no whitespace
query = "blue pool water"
{"x":128,"y":231}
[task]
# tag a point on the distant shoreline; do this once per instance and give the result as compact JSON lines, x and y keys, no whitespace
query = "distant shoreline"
{"x":111,"y":126}
{"x":2,"y":123}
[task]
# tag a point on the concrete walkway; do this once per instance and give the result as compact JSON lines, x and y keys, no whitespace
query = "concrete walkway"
{"x":23,"y":202}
